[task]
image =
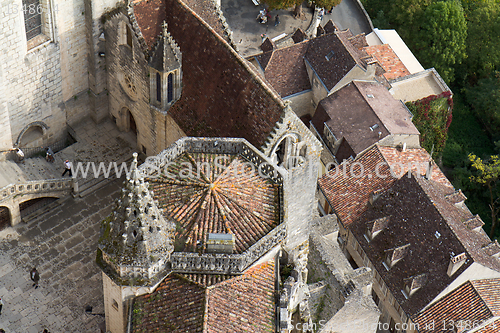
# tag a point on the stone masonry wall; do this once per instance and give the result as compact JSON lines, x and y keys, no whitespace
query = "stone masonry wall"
{"x":32,"y":80}
{"x":40,"y":76}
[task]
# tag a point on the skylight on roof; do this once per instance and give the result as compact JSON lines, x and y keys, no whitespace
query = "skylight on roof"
{"x":329,"y":55}
{"x":437,"y":234}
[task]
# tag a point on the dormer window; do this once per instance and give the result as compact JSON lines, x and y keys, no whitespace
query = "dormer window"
{"x":412,"y":284}
{"x":392,"y":256}
{"x":375,"y":227}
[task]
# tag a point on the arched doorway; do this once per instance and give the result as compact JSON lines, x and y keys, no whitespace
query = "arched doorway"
{"x":4,"y":218}
{"x":33,"y":137}
{"x":132,"y":124}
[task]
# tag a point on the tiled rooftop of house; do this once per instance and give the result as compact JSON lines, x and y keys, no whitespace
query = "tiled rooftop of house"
{"x":285,"y":69}
{"x":349,"y":196}
{"x":243,"y":303}
{"x":330,"y":59}
{"x":393,"y":66}
{"x":472,"y":302}
{"x":435,"y":235}
{"x":222,"y":194}
{"x":151,"y":13}
{"x":363,"y":113}
{"x":234,"y":101}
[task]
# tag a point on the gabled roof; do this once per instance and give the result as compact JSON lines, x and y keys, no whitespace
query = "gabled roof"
{"x":235,"y":101}
{"x":151,"y":13}
{"x":352,"y":111}
{"x":393,"y":66}
{"x":243,"y":303}
{"x":349,"y":196}
{"x":472,"y":302}
{"x":330,"y":59}
{"x":437,"y":233}
{"x":285,"y":69}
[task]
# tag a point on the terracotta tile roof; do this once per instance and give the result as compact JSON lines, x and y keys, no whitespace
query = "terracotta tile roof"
{"x":206,"y":280}
{"x":176,"y":306}
{"x":436,"y":234}
{"x":349,"y":196}
{"x":489,"y":290}
{"x":351,"y":111}
{"x":390,"y":62}
{"x":417,"y":158}
{"x":226,"y":197}
{"x":244,"y":303}
{"x":221,"y":94}
{"x":285,"y":69}
{"x":268,"y":45}
{"x":490,"y":327}
{"x":463,"y":303}
{"x":150,"y":14}
{"x":341,"y":61}
{"x":432,"y":241}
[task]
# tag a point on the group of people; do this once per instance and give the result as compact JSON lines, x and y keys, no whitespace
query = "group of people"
{"x":49,"y":157}
{"x":264,"y":16}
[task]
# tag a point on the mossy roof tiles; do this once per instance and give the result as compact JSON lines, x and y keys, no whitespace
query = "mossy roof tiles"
{"x":221,"y":95}
{"x":243,"y":303}
{"x":210,"y":193}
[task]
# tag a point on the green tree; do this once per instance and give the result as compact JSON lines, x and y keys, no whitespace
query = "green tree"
{"x":440,"y":40}
{"x":485,"y":101}
{"x":483,"y":46}
{"x":488,"y":175}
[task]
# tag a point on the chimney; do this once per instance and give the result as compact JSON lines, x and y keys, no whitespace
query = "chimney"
{"x":428,"y":173}
{"x":456,"y":261}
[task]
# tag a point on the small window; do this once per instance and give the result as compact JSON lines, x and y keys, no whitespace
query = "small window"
{"x":115,"y":305}
{"x":170,"y":88}
{"x":329,"y":55}
{"x":129,"y":36}
{"x":158,"y":87}
{"x":32,"y":18}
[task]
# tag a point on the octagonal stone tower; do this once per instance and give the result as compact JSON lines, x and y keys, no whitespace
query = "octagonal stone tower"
{"x":209,"y":206}
{"x":134,"y":246}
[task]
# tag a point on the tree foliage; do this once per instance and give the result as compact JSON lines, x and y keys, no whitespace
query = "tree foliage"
{"x":485,"y":101}
{"x":488,"y":174}
{"x":483,"y":46}
{"x":441,"y":37}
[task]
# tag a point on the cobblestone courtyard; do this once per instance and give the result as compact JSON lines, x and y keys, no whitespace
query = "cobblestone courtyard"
{"x":61,"y":243}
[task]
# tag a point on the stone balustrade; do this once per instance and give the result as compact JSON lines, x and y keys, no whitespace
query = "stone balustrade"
{"x":35,"y":187}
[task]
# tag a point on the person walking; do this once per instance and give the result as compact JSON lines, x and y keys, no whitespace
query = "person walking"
{"x":49,"y":156}
{"x":67,"y":167}
{"x":276,"y":20}
{"x":35,"y":277}
{"x":1,"y":305}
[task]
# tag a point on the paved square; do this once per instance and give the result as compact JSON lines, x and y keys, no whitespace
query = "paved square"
{"x":61,"y":244}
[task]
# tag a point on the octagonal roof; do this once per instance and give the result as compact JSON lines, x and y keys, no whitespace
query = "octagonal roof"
{"x":216,"y":193}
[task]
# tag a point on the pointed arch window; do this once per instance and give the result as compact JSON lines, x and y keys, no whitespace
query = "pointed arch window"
{"x":158,"y":87}
{"x":32,"y":18}
{"x":170,"y":88}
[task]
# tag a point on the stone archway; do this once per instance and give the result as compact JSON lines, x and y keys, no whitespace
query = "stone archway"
{"x":289,"y":151}
{"x":4,"y":217}
{"x":132,"y":126}
{"x":32,"y":135}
